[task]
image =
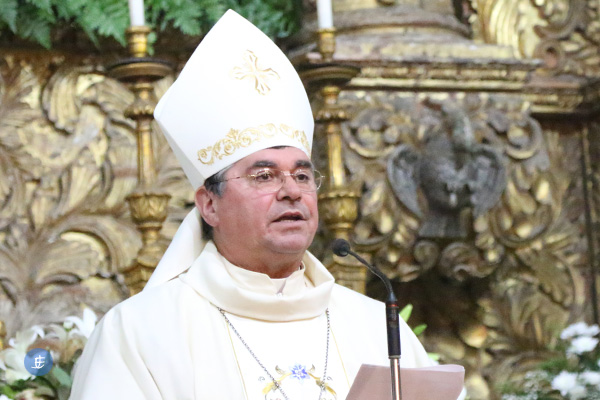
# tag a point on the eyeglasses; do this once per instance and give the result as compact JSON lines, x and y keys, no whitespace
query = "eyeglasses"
{"x":270,"y":180}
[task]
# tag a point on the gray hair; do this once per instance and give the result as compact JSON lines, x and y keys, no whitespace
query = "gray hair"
{"x":214,"y":184}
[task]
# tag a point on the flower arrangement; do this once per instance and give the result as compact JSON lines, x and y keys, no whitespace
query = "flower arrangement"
{"x":572,"y":376}
{"x":65,"y":343}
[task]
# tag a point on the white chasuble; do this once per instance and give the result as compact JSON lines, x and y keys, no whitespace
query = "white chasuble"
{"x":172,"y":342}
{"x":295,"y":359}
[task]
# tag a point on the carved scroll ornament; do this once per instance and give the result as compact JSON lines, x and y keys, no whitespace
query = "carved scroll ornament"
{"x":512,"y":277}
{"x":564,"y":33}
{"x":67,"y":162}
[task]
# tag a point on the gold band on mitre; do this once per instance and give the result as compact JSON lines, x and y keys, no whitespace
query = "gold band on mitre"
{"x":237,"y":139}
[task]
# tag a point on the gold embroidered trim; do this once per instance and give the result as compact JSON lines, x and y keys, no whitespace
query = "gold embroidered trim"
{"x":250,"y":69}
{"x":236,"y":140}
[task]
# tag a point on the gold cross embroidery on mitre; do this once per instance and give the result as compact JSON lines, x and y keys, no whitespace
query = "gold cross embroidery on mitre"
{"x":251,"y":70}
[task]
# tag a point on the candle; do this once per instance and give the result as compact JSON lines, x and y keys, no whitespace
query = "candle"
{"x":325,"y":14}
{"x":136,"y":12}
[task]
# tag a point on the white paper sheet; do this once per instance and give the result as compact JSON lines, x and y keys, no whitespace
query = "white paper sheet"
{"x":440,"y":382}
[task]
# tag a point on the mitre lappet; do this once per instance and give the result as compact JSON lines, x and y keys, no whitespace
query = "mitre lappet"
{"x":237,"y":94}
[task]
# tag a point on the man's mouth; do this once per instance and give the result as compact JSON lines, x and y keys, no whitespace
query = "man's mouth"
{"x":290,"y":217}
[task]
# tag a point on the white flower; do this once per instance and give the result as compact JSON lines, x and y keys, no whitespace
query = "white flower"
{"x":23,"y":339}
{"x":4,"y":397}
{"x":591,"y":378}
{"x":56,"y":331}
{"x":582,"y":344}
{"x":12,"y":358}
{"x":564,"y":382}
{"x":85,"y":326}
{"x":578,"y":392}
{"x":579,"y":329}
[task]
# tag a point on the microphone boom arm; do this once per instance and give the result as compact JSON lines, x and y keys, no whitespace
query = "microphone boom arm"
{"x":341,"y":248}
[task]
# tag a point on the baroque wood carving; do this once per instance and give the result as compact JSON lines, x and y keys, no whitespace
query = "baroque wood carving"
{"x":67,"y":163}
{"x":496,"y":294}
{"x":564,"y":33}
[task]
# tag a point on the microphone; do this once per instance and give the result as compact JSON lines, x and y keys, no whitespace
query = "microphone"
{"x":342,"y":248}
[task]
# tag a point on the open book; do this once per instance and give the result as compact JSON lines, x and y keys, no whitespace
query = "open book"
{"x":440,"y":382}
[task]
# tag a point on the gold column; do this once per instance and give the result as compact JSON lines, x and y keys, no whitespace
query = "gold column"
{"x":338,"y":201}
{"x":147,"y":204}
{"x":2,"y":335}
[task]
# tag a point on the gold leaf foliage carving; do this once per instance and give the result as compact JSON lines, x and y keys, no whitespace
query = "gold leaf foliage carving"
{"x":564,"y":33}
{"x":67,"y":164}
{"x":591,"y":144}
{"x":16,"y":87}
{"x":514,"y":278}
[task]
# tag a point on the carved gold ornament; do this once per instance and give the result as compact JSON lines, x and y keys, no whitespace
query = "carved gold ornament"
{"x":556,"y":31}
{"x":250,"y":69}
{"x":67,"y":164}
{"x":519,"y":244}
{"x":236,"y":140}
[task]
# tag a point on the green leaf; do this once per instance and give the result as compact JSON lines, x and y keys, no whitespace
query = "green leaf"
{"x":7,"y":391}
{"x":115,"y":20}
{"x":151,"y":41}
{"x":69,"y":9}
{"x":31,"y":25}
{"x":46,"y":15}
{"x":62,"y":376}
{"x":108,"y":18}
{"x":64,"y":393}
{"x":187,"y":23}
{"x":35,"y":19}
{"x":8,"y":13}
{"x":44,"y":5}
{"x":186,"y":16}
{"x":417,"y":330}
{"x":44,"y":391}
{"x":406,"y":311}
{"x":42,"y":34}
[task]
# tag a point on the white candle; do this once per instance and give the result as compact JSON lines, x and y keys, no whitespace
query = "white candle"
{"x":325,"y":14}
{"x":136,"y":12}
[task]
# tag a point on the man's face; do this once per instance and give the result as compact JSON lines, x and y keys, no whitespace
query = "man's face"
{"x":250,"y":225}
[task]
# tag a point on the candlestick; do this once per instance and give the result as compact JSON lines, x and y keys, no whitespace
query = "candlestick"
{"x":136,"y":12}
{"x":148,"y":202}
{"x":325,"y":14}
{"x":338,"y":200}
{"x":326,"y":43}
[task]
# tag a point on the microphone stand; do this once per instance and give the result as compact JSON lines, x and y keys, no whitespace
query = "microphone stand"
{"x":393,"y":327}
{"x":341,"y":248}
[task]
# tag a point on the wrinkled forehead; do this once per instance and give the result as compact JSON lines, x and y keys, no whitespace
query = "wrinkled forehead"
{"x":281,"y":157}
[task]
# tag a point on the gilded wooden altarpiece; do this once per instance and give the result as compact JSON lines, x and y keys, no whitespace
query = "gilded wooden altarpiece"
{"x":67,"y":163}
{"x":495,"y":277}
{"x":479,"y":113}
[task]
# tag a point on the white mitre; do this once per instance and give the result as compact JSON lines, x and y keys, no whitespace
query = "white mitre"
{"x":237,"y":94}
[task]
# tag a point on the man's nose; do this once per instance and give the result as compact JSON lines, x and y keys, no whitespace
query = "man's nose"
{"x":290,"y":189}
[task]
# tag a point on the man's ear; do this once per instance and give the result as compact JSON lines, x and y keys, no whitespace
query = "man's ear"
{"x":205,"y":202}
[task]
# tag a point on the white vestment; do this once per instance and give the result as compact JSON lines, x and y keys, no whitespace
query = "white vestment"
{"x":172,"y":342}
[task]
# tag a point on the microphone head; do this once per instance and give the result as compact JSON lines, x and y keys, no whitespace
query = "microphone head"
{"x":340,"y":247}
